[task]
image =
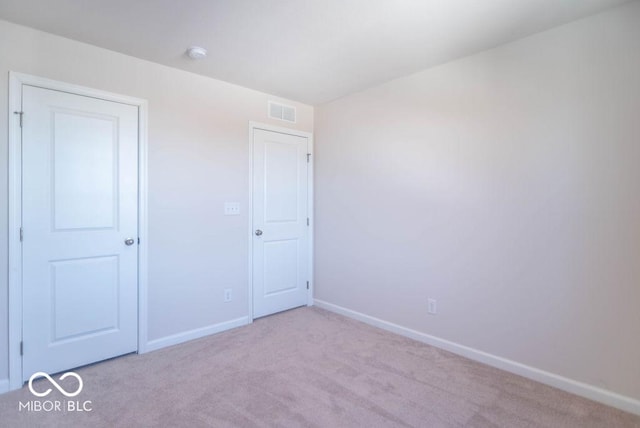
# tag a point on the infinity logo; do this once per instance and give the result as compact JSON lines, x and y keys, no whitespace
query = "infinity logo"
{"x":54,"y":383}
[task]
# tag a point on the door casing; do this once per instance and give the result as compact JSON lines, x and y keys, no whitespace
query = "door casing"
{"x":253,"y":126}
{"x":16,"y":80}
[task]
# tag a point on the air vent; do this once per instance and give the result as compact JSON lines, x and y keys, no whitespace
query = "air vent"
{"x":282,"y":112}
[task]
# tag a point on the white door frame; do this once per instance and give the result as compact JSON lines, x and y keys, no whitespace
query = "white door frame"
{"x":257,"y":125}
{"x":16,"y":80}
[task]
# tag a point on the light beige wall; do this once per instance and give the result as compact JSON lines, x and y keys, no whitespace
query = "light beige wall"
{"x":198,"y":159}
{"x":506,"y":185}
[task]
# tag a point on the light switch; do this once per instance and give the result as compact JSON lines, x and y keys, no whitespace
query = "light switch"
{"x":232,"y":208}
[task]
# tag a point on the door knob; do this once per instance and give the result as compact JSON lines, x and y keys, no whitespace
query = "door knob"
{"x":129,"y":241}
{"x":258,"y":232}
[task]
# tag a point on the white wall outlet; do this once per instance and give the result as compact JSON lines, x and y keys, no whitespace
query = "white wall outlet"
{"x":232,"y":208}
{"x":431,"y":306}
{"x":227,"y":295}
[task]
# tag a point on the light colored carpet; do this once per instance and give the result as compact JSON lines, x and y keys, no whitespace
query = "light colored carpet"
{"x":309,"y":368}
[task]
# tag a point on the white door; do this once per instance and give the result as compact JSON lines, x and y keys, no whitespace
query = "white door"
{"x":280,"y":224}
{"x":80,"y":223}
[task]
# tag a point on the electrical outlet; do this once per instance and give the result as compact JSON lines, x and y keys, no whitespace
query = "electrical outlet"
{"x":431,"y":306}
{"x":232,"y":208}
{"x":227,"y":295}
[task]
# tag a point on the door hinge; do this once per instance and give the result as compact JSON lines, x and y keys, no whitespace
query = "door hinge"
{"x":21,"y":348}
{"x":21,"y":234}
{"x":21,"y":113}
{"x":307,"y":221}
{"x":308,"y":154}
{"x":307,"y":285}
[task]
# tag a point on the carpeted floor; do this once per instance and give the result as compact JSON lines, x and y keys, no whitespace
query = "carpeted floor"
{"x":308,"y":368}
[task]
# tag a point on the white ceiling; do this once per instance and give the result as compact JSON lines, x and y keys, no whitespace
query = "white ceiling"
{"x":311,"y":51}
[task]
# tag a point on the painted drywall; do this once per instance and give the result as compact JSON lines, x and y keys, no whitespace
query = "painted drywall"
{"x":506,"y":185}
{"x":198,"y":159}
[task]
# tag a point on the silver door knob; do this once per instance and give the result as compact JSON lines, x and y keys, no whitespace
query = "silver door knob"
{"x":258,"y":232}
{"x":129,"y":241}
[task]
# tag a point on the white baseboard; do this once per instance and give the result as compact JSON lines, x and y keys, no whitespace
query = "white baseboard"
{"x":4,"y":386}
{"x":175,"y":339}
{"x":591,"y":392}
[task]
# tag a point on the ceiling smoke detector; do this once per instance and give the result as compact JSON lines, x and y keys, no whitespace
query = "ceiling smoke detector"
{"x":196,"y":52}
